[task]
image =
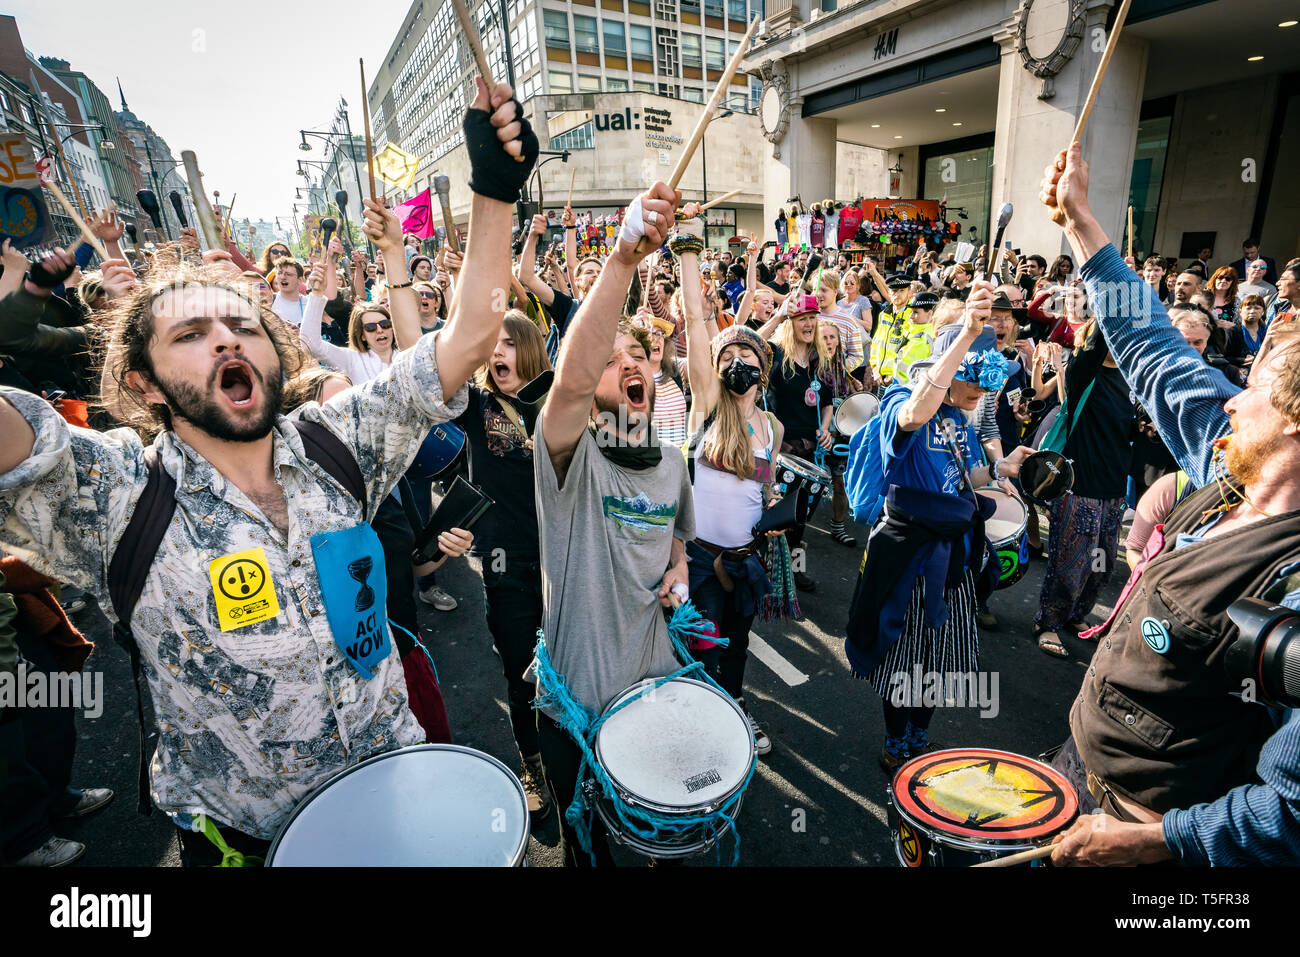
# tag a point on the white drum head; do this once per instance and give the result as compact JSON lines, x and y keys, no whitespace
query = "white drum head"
{"x":684,"y":745}
{"x":434,"y":805}
{"x":1009,"y":519}
{"x":855,"y":412}
{"x":803,"y":468}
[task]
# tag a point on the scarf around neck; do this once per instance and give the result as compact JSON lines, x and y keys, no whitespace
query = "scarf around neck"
{"x":627,"y":456}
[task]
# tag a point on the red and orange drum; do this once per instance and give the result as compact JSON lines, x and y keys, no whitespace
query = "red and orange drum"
{"x":966,"y":806}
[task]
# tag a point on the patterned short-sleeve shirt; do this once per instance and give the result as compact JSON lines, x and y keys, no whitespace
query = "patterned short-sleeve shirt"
{"x":250,"y":719}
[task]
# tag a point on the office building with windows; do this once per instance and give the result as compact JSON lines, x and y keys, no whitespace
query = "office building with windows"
{"x":574,"y":66}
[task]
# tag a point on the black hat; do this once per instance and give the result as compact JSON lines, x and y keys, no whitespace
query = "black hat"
{"x":924,"y":300}
{"x":1004,"y":303}
{"x":898,"y":281}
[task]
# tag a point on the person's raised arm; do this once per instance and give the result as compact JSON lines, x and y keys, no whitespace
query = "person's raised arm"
{"x":331,"y":287}
{"x":358,"y":276}
{"x":746,"y":305}
{"x":878,"y":280}
{"x":570,"y":244}
{"x":383,"y":228}
{"x":588,"y":344}
{"x":15,"y":264}
{"x":1183,"y":395}
{"x":502,"y":150}
{"x":705,"y":387}
{"x":931,"y":388}
{"x":527,"y":263}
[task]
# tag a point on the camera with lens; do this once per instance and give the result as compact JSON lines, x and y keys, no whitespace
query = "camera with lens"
{"x":1267,"y":650}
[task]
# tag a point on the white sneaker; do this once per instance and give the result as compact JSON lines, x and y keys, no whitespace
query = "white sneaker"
{"x":439,"y":599}
{"x":762,"y":743}
{"x":1128,"y":516}
{"x":56,"y":852}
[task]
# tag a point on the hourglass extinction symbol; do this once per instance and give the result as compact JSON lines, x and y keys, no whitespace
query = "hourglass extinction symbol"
{"x":360,"y":569}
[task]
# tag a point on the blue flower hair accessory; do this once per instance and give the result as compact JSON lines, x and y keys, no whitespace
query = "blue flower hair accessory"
{"x":988,"y":369}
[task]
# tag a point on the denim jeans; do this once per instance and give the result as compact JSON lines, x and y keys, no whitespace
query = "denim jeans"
{"x":513,"y":600}
{"x":725,"y":665}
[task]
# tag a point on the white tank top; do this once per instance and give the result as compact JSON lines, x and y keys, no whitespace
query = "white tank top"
{"x":727,"y":508}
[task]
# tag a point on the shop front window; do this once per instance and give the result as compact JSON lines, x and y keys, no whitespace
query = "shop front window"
{"x":965,"y":177}
{"x":1148,"y":175}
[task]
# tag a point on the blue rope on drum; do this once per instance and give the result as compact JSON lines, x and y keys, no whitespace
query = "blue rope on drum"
{"x":583,"y":725}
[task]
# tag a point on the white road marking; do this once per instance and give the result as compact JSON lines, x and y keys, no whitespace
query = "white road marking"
{"x":774,"y":660}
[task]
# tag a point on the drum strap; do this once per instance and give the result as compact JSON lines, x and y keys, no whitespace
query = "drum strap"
{"x":583,"y":726}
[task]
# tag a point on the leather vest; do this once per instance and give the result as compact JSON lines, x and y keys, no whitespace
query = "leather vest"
{"x":1156,"y":719}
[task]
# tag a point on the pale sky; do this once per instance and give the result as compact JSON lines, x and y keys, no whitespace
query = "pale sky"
{"x":234,"y":81}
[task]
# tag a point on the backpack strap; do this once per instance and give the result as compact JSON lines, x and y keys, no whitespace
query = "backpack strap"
{"x":127,"y":572}
{"x":328,"y":451}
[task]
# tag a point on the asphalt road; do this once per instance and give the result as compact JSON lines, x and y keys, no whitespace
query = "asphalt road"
{"x":818,"y":798}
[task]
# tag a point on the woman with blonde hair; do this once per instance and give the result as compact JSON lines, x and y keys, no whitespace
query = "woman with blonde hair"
{"x":798,"y":357}
{"x":835,"y":379}
{"x":730,"y":455}
{"x":498,"y":431}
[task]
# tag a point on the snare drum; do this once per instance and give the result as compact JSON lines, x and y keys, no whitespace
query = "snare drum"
{"x":801,"y":477}
{"x":969,"y":805}
{"x":1008,"y":534}
{"x":855,"y":412}
{"x":432,"y":805}
{"x":684,"y":749}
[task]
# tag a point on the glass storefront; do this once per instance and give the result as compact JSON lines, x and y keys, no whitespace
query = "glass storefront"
{"x":965,"y":178}
{"x":1145,"y":183}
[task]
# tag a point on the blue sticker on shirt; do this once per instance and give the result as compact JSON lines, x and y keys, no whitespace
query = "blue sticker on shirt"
{"x":350,"y":564}
{"x":1156,"y":635}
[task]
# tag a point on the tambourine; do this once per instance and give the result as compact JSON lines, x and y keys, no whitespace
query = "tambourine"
{"x":1045,"y":476}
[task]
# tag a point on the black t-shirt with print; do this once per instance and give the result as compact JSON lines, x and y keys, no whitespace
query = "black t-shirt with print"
{"x":789,"y":398}
{"x":502,"y":466}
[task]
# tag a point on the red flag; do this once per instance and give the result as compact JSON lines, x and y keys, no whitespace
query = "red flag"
{"x":416,"y":216}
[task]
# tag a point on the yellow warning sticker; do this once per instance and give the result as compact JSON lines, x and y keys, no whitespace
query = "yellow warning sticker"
{"x":242,"y":586}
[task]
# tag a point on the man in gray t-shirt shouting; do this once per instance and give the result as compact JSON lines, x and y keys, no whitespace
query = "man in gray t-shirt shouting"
{"x":614,"y":510}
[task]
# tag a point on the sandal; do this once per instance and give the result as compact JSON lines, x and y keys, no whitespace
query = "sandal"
{"x":1049,"y":642}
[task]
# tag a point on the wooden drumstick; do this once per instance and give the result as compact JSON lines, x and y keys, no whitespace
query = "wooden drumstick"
{"x":715,"y":101}
{"x":468,"y":27}
{"x":207,"y":220}
{"x":1111,"y":42}
{"x":1130,"y":232}
{"x":721,"y":199}
{"x":370,"y":143}
{"x":572,"y":173}
{"x":1023,"y":857}
{"x":68,"y":208}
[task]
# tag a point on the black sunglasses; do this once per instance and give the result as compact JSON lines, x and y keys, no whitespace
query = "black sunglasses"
{"x":428,"y":295}
{"x":376,"y":326}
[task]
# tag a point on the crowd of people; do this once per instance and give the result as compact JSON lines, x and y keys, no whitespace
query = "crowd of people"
{"x":631,"y":416}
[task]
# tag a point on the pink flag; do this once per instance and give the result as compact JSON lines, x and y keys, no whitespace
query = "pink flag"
{"x":416,"y":216}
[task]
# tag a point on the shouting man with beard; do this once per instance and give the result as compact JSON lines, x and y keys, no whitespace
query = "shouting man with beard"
{"x":259,"y":694}
{"x":1156,"y":726}
{"x":618,"y":511}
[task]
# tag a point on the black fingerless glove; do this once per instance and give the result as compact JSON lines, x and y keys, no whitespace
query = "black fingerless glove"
{"x":494,"y":173}
{"x":39,"y":275}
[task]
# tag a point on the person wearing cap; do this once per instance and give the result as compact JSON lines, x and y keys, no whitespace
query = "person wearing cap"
{"x":891,"y":325}
{"x":730,"y":455}
{"x":798,"y":357}
{"x":914,"y":604}
{"x":918,"y":332}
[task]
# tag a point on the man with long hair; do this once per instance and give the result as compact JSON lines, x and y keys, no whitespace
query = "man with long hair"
{"x":619,"y":512}
{"x":254,"y":709}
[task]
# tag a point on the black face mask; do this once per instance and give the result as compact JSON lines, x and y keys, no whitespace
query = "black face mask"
{"x":739,"y":377}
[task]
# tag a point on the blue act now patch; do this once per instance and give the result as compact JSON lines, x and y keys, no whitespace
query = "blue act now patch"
{"x":1156,"y":635}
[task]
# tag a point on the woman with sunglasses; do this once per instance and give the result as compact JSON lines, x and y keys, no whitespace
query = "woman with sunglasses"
{"x":371,"y":344}
{"x":271,"y":255}
{"x":433,"y":306}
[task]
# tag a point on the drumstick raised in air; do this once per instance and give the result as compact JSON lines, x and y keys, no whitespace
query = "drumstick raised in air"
{"x":721,"y":199}
{"x":714,"y":104}
{"x":1111,"y":42}
{"x":1023,"y":857}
